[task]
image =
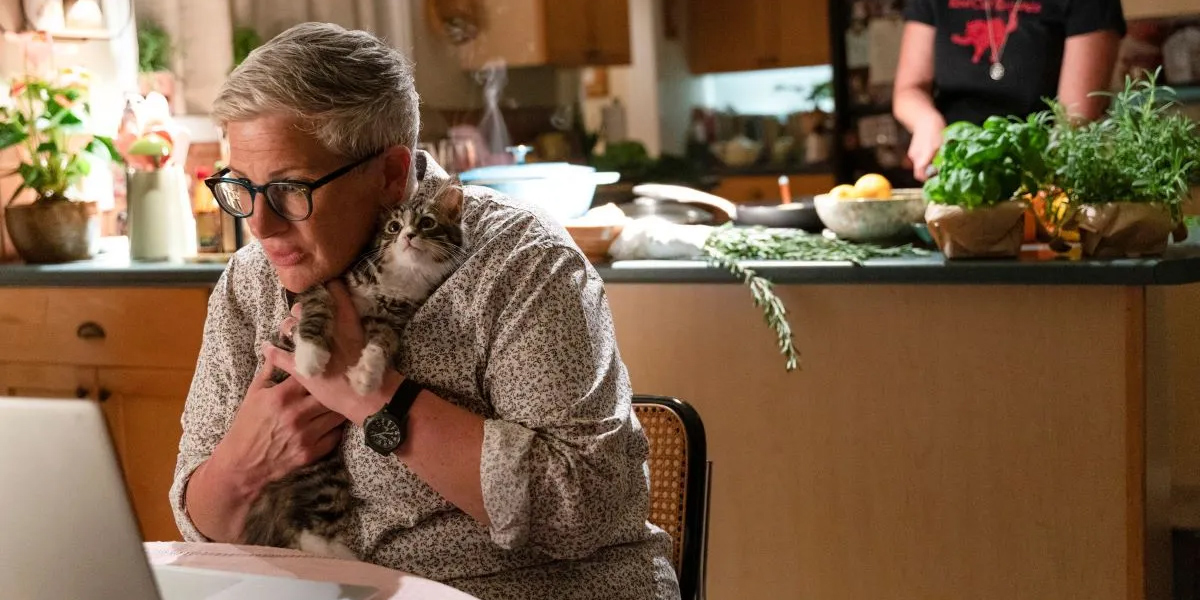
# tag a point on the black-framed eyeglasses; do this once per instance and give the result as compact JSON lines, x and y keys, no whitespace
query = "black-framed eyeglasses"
{"x":290,"y":199}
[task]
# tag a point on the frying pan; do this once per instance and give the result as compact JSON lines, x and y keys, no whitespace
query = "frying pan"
{"x":668,"y":210}
{"x":795,"y":215}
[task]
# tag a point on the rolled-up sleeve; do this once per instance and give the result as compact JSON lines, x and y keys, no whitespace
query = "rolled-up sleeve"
{"x":563,"y":464}
{"x":226,"y":355}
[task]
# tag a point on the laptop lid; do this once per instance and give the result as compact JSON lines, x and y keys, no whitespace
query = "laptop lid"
{"x":67,"y":529}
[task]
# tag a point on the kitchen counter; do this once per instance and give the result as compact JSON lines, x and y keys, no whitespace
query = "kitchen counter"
{"x":983,"y":429}
{"x":1180,"y":266}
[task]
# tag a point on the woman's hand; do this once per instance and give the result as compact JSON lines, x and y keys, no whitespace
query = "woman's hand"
{"x":926,"y":140}
{"x":332,"y":388}
{"x":277,"y":429}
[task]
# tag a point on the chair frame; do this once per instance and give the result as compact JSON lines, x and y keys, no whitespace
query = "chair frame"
{"x":695,"y":517}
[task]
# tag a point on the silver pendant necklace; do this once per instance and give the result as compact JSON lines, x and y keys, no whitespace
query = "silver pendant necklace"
{"x":997,"y":70}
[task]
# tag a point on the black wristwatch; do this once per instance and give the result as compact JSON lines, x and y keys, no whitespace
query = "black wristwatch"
{"x":387,"y":429}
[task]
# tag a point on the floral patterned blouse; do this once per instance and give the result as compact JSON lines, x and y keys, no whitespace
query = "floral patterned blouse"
{"x":522,"y":335}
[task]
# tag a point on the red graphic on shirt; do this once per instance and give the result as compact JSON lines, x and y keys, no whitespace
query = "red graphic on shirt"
{"x":984,"y":34}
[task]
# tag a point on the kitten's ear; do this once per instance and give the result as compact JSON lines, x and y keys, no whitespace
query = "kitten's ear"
{"x":450,"y":203}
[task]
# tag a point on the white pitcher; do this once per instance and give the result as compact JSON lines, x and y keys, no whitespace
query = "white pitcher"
{"x":161,"y":224}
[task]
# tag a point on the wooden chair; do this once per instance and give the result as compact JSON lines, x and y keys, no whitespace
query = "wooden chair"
{"x":679,"y":484}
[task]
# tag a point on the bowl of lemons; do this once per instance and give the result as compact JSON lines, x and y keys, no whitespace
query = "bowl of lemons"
{"x":871,"y":210}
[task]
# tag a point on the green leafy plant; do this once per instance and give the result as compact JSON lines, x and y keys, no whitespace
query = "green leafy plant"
{"x":981,"y":166}
{"x":631,"y":159}
{"x":49,"y":119}
{"x":154,"y":48}
{"x":245,"y":40}
{"x":822,"y":92}
{"x":1142,"y":151}
{"x":727,"y":247}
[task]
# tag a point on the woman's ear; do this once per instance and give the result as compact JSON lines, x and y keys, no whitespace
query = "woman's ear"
{"x":399,"y":181}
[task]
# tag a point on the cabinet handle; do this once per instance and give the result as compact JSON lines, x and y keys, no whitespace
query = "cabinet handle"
{"x":104,"y":395}
{"x":90,"y":331}
{"x":81,"y":392}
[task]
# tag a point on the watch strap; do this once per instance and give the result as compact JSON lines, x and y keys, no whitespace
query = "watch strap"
{"x":402,"y":400}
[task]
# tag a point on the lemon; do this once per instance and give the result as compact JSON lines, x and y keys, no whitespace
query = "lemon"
{"x":873,"y":185}
{"x":842,"y":192}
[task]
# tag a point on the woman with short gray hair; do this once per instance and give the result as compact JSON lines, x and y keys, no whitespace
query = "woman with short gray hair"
{"x":519,"y":471}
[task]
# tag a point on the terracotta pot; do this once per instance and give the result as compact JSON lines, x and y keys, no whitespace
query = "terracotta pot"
{"x":1124,"y":229}
{"x":54,"y":231}
{"x":992,"y":232}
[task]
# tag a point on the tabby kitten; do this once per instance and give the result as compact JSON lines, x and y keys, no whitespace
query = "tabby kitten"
{"x":419,"y":244}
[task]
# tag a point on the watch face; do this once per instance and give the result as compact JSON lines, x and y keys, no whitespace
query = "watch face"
{"x":384,"y":433}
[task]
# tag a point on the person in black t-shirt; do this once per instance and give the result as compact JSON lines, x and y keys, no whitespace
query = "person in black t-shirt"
{"x":967,"y":60}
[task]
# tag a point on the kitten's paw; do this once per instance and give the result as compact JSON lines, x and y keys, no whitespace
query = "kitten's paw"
{"x":315,"y":544}
{"x":367,"y":375}
{"x":310,"y":358}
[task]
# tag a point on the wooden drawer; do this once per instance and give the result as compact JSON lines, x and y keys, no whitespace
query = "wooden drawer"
{"x":765,"y":188}
{"x":146,"y":327}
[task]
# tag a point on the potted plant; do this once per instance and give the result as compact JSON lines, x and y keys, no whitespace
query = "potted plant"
{"x":1127,"y":176}
{"x":245,"y":40}
{"x":975,"y":207}
{"x":47,"y":120}
{"x":154,"y":62}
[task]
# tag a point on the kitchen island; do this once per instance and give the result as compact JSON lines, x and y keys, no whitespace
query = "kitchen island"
{"x":985,"y":430}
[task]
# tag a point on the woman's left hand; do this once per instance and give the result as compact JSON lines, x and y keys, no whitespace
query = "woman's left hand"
{"x":332,"y":388}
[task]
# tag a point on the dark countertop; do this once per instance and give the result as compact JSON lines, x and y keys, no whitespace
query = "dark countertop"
{"x":1180,"y":266}
{"x":111,"y":271}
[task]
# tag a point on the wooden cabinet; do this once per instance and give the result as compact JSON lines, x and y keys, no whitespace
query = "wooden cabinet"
{"x":1149,"y":9}
{"x":804,"y":32}
{"x":144,"y":407}
{"x":564,"y":33}
{"x":131,"y":349}
{"x":746,"y":35}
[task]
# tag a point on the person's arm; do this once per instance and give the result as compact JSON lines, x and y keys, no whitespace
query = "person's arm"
{"x":912,"y":97}
{"x":562,"y":464}
{"x":212,"y":399}
{"x":444,"y":441}
{"x":1094,"y":32}
{"x":231,"y":447}
{"x":558,"y":464}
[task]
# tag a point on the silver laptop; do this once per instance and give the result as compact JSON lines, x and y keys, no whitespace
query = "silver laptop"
{"x":67,"y":528}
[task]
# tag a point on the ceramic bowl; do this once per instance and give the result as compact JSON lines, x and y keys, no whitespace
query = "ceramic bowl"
{"x":871,"y":220}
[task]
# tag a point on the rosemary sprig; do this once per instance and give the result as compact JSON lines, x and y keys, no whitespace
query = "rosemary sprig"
{"x":774,"y":312}
{"x":727,"y":247}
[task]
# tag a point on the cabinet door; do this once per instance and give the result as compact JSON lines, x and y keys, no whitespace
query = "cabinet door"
{"x":609,"y":32}
{"x":146,"y":406}
{"x":804,"y":35}
{"x":769,"y":31}
{"x":570,"y":39}
{"x":723,"y":35}
{"x":512,"y":30}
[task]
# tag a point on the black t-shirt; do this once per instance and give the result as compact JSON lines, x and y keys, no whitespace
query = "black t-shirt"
{"x":1031,"y":58}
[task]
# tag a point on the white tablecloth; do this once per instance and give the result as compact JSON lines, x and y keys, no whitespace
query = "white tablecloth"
{"x":393,"y":585}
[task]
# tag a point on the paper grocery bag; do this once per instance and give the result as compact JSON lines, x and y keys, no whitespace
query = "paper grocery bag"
{"x":1124,"y":229}
{"x":992,"y":232}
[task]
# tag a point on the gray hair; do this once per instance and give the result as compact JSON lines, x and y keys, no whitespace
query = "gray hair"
{"x":349,"y":89}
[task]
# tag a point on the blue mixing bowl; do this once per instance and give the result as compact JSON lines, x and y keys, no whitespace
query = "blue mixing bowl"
{"x":562,"y":189}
